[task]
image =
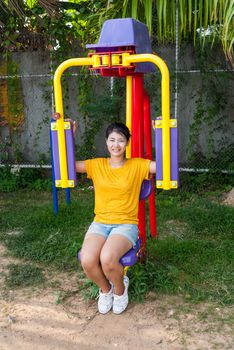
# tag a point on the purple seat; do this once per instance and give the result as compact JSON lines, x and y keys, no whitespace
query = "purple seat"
{"x":131,"y":257}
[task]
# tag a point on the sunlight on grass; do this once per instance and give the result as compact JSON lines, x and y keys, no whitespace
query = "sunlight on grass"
{"x":192,"y":256}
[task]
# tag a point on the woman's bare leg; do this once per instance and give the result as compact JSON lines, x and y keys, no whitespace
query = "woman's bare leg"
{"x":113,"y":249}
{"x":90,"y":261}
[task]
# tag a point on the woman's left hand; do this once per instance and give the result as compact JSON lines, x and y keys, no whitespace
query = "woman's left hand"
{"x":152,"y":168}
{"x":74,"y":125}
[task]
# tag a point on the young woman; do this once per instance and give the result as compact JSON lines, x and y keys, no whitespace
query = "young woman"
{"x":117,"y":183}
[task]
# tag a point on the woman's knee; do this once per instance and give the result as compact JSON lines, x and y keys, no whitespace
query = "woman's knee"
{"x":88,"y":262}
{"x":108,"y":261}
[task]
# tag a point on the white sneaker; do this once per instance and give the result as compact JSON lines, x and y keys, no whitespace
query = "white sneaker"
{"x":120,"y":302}
{"x":105,"y":301}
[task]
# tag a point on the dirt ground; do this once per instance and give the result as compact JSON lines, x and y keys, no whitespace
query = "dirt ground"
{"x":33,"y":319}
{"x":228,"y":198}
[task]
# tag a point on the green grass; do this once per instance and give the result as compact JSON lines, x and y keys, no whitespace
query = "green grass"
{"x":192,"y":256}
{"x":44,"y":237}
{"x":24,"y":275}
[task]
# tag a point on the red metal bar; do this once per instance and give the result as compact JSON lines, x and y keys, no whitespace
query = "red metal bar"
{"x":142,"y":222}
{"x":138,"y":138}
{"x":149,"y":155}
{"x":152,"y":214}
{"x":147,"y":127}
{"x":137,"y":116}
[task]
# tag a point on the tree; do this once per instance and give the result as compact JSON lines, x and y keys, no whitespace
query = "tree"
{"x":204,"y":20}
{"x":33,"y":24}
{"x":207,"y":20}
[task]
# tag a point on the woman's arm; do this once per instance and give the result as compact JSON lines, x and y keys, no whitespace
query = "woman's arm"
{"x":152,"y":168}
{"x":80,"y":166}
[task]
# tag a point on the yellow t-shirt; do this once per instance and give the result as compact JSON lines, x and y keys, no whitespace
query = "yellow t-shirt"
{"x":117,"y":190}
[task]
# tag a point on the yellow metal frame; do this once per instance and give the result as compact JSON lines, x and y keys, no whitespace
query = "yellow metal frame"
{"x":165,"y":87}
{"x":127,"y":60}
{"x":64,"y":183}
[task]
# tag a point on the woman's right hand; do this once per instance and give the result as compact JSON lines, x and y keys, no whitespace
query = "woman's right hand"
{"x":56,"y":116}
{"x":74,"y":125}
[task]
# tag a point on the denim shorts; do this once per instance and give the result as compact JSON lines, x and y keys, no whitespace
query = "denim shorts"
{"x":130,"y":231}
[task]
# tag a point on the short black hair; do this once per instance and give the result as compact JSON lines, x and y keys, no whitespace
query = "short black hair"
{"x":120,"y":128}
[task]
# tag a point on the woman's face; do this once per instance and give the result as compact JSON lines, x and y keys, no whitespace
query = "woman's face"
{"x":116,"y":144}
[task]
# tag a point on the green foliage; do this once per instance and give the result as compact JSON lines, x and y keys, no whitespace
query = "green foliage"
{"x":89,"y":290}
{"x":12,"y":110}
{"x":211,"y":114}
{"x":52,"y":240}
{"x":8,"y":181}
{"x":32,"y":179}
{"x":204,"y":183}
{"x":32,"y":26}
{"x":204,"y":20}
{"x":24,"y":275}
{"x":196,"y":19}
{"x":31,"y":3}
{"x":196,"y":269}
{"x":16,"y":111}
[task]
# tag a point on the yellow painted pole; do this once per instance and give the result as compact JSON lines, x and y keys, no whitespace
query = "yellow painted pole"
{"x":165,"y":86}
{"x":129,"y":113}
{"x":59,"y":109}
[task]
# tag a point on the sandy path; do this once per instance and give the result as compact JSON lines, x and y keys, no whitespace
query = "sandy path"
{"x":31,"y":319}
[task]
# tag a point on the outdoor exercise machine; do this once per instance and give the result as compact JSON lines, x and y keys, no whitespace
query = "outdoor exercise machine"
{"x":124,"y":51}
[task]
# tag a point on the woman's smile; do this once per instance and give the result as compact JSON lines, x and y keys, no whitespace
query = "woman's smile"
{"x":116,"y":144}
